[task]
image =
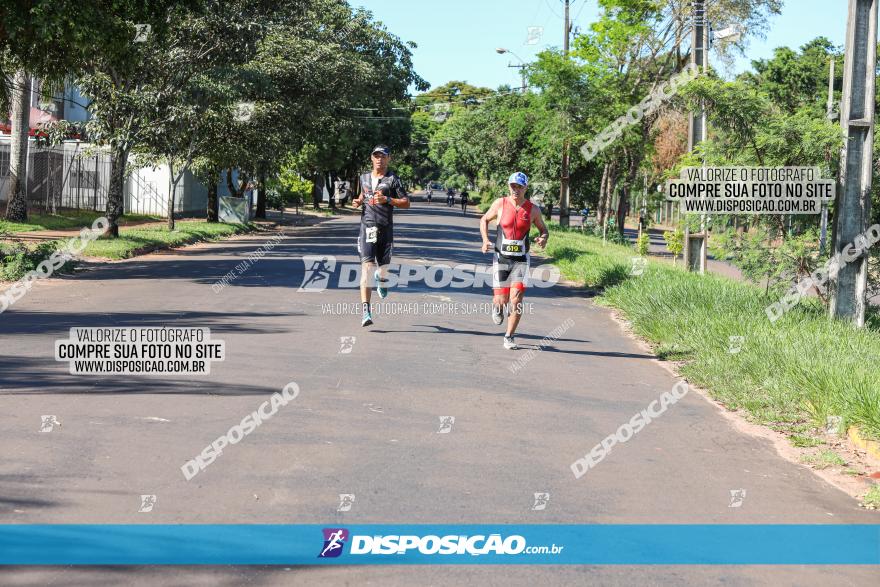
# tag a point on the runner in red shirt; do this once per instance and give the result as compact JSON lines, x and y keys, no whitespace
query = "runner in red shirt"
{"x":510,"y":269}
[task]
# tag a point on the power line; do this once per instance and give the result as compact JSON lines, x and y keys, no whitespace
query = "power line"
{"x":556,"y":14}
{"x":537,"y":10}
{"x":584,"y":5}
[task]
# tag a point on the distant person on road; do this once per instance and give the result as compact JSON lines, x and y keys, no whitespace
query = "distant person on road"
{"x":450,"y":197}
{"x":585,"y":216}
{"x":379,"y":192}
{"x":464,"y":200}
{"x":510,"y":270}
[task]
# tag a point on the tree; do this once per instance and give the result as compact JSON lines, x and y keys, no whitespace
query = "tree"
{"x":139,"y":91}
{"x":194,"y":76}
{"x":792,"y":80}
{"x":325,"y":96}
{"x":52,"y":40}
{"x":634,"y":47}
{"x":674,"y":242}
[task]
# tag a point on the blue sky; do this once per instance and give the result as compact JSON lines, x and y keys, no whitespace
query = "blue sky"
{"x":457,"y":38}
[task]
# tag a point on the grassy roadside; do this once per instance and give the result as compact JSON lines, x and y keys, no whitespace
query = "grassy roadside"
{"x":789,"y":375}
{"x":587,"y":260}
{"x":136,"y":240}
{"x":66,"y":220}
{"x":18,"y":258}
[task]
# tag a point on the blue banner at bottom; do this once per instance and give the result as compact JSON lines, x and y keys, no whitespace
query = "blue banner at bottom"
{"x":241,"y":544}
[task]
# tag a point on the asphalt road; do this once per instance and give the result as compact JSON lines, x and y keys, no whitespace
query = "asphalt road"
{"x":366,"y":422}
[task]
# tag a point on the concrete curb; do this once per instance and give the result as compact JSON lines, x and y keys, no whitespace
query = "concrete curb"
{"x":871,"y":447}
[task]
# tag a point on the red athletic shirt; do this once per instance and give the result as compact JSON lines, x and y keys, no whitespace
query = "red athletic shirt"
{"x":514,"y":224}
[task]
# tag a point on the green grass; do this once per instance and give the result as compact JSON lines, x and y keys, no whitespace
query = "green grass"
{"x":790,"y":375}
{"x":135,"y":240}
{"x":801,"y":441}
{"x":587,"y":260}
{"x":65,"y":220}
{"x":872,"y":498}
{"x":17,"y":259}
{"x":824,"y":459}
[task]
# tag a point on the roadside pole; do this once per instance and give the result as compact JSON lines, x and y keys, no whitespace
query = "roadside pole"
{"x":823,"y":234}
{"x":564,"y":179}
{"x":695,"y":254}
{"x":853,"y":205}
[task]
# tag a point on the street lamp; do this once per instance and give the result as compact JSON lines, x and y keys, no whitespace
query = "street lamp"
{"x":521,"y":66}
{"x":732,"y":33}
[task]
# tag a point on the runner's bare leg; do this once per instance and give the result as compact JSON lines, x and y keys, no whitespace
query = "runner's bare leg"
{"x":367,"y":270}
{"x":499,"y":300}
{"x":516,"y":307}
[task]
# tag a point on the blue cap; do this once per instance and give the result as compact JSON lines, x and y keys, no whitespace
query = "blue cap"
{"x":519,"y":178}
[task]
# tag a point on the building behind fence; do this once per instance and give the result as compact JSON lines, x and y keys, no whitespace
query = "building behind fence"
{"x":77,"y":175}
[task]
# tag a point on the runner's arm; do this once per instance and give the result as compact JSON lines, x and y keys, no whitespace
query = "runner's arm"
{"x":360,"y":196}
{"x":403,"y":201}
{"x":490,"y":215}
{"x":538,"y":221}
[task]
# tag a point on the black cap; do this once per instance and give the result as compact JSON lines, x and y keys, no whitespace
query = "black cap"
{"x":382,"y":149}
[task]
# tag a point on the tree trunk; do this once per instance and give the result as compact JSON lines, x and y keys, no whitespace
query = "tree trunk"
{"x":635,"y":160}
{"x":621,"y":208}
{"x":16,"y":203}
{"x":261,"y":195}
{"x":118,"y":161}
{"x":317,"y":189}
{"x":603,"y":186}
{"x":353,"y":184}
{"x":331,"y":187}
{"x":172,"y":195}
{"x":610,"y":187}
{"x":213,"y":200}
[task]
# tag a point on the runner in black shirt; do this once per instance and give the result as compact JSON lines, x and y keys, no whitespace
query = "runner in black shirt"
{"x":379,"y":192}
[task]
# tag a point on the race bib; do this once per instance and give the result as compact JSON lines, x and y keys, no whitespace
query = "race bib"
{"x":513,"y":247}
{"x":372,"y":234}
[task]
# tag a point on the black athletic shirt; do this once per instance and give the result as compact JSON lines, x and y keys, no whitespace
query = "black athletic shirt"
{"x":379,"y":214}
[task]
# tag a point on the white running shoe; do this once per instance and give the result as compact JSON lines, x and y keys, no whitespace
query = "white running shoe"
{"x":498,"y":314}
{"x":382,"y":291}
{"x":509,"y":343}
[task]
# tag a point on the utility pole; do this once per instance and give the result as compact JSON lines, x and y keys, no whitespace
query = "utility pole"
{"x":853,"y":203}
{"x":522,"y":74}
{"x":823,"y":227}
{"x":695,"y":260}
{"x":564,"y":180}
{"x":521,"y":66}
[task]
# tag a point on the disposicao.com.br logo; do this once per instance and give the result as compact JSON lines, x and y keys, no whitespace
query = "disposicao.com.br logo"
{"x":323,"y":272}
{"x":394,"y":544}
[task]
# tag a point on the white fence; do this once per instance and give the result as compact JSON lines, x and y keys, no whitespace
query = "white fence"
{"x":75,"y":175}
